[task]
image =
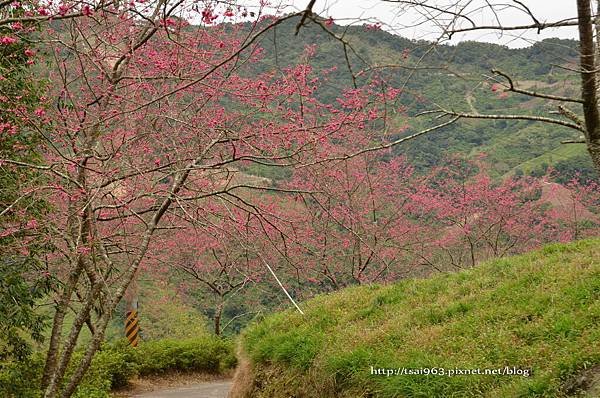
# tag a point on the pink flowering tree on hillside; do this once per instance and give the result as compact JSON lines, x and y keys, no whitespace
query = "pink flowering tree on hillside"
{"x":218,"y":255}
{"x":574,"y":207}
{"x":354,"y":227}
{"x":475,"y":218}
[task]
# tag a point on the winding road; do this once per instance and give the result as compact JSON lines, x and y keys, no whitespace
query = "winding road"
{"x":215,"y":389}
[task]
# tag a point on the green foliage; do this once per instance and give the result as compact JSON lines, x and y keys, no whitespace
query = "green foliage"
{"x":21,"y":283}
{"x":115,"y":364}
{"x":539,"y":311}
{"x":111,"y":367}
{"x":579,"y":166}
{"x":270,"y":172}
{"x":21,"y":379}
{"x":20,"y":91}
{"x":20,"y":324}
{"x":204,"y":354}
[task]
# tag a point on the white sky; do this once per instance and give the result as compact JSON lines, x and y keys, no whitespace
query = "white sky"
{"x":409,"y":24}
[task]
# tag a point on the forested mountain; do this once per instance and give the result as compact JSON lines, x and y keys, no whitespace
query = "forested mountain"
{"x":456,"y":77}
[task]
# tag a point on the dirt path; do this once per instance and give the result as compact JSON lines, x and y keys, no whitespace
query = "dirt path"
{"x":212,"y":389}
{"x":470,"y":100}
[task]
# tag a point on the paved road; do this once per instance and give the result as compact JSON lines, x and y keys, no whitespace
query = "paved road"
{"x":215,"y":389}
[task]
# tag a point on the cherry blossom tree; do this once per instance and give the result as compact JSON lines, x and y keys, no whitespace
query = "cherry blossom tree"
{"x":355,"y":227}
{"x":216,"y":257}
{"x":475,"y":218}
{"x":574,"y":207}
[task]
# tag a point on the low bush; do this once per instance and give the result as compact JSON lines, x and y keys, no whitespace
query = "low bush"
{"x":20,"y":379}
{"x":111,"y":367}
{"x":204,"y":354}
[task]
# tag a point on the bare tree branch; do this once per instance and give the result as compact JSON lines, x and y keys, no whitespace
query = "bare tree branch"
{"x":509,"y":117}
{"x":513,"y":88}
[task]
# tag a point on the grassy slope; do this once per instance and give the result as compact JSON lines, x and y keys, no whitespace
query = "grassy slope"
{"x":563,"y":152}
{"x":540,"y":311}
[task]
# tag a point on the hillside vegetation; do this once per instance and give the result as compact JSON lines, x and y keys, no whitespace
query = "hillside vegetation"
{"x":456,"y":77}
{"x":537,"y":313}
{"x":117,"y":363}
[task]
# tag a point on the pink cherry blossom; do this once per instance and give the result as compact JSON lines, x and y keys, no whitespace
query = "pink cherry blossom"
{"x":7,"y":40}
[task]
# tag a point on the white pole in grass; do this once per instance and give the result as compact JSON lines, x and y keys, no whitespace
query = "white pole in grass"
{"x":281,"y":284}
{"x":268,"y":267}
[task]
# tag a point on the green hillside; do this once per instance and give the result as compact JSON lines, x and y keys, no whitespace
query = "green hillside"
{"x":537,"y":313}
{"x":456,"y":77}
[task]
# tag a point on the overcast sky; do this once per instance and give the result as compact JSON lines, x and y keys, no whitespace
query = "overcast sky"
{"x":409,"y":24}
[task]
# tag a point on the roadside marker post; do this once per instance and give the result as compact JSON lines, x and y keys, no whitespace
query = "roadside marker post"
{"x":132,"y":328}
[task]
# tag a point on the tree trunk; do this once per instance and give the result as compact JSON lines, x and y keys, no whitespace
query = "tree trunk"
{"x":594,"y":151}
{"x":588,"y":81}
{"x":218,"y":315}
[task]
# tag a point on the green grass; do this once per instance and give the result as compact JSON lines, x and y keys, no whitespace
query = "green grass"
{"x":539,"y":311}
{"x":563,"y":152}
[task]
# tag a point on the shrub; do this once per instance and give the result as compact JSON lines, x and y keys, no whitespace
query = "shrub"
{"x":110,"y":368}
{"x":20,"y":379}
{"x":205,"y":354}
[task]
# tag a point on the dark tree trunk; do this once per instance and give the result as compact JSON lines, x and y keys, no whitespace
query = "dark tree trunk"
{"x":218,"y":316}
{"x":589,"y":84}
